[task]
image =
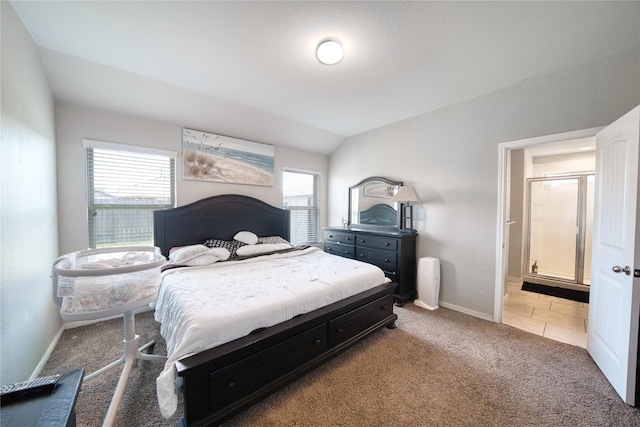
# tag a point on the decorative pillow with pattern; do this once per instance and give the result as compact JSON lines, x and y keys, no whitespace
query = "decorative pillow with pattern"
{"x":231,"y":245}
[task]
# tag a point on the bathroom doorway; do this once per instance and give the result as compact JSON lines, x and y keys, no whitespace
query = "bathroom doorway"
{"x":559,"y":222}
{"x":547,"y":159}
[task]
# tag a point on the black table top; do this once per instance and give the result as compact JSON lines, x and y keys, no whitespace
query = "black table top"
{"x":51,"y":408}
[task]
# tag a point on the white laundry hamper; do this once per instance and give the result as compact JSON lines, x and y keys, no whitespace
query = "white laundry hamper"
{"x":428,"y":283}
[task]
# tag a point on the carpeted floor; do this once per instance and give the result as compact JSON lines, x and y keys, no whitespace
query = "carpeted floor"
{"x":440,"y":368}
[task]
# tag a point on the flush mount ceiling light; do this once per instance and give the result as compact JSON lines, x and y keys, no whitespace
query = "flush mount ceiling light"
{"x":330,"y":52}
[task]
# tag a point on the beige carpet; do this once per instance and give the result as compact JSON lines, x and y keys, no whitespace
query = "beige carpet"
{"x":440,"y":368}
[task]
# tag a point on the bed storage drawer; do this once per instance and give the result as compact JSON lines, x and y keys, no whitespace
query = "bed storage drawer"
{"x":349,"y":325}
{"x":248,"y":375}
{"x":221,"y":381}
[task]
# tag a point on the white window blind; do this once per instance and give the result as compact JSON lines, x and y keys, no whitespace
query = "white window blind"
{"x":300,"y":196}
{"x":124,"y":186}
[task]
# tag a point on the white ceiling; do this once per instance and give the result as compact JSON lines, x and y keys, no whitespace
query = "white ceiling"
{"x":192,"y":60}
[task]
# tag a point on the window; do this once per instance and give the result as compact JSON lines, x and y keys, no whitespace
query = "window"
{"x":125,"y":184}
{"x":300,"y":196}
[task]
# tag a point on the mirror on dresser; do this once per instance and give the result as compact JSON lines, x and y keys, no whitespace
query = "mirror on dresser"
{"x":370,"y":204}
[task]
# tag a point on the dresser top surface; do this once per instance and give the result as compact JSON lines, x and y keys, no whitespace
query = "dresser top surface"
{"x":376,"y":232}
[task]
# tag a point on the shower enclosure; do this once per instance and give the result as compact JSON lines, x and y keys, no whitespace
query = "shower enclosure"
{"x":560,"y":222}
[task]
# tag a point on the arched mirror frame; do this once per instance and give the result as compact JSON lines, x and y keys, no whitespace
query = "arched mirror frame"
{"x":370,"y":204}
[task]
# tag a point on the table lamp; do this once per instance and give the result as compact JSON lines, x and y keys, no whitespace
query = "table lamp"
{"x":405,"y":196}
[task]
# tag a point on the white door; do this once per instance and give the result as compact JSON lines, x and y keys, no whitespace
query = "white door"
{"x":614,"y":300}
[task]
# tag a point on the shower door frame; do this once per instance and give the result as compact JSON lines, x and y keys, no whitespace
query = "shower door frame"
{"x":577,"y":282}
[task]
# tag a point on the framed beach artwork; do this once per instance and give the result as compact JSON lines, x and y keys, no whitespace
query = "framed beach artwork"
{"x":218,"y":158}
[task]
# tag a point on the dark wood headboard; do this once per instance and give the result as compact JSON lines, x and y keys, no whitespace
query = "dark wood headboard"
{"x":219,"y":217}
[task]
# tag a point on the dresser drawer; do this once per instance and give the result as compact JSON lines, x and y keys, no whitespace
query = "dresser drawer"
{"x":339,"y":249}
{"x":239,"y":379}
{"x":386,"y":260}
{"x":351,"y":324}
{"x":340,"y":237}
{"x":377,"y":242}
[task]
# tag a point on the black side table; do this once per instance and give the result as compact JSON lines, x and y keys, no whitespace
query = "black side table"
{"x":56,"y":408}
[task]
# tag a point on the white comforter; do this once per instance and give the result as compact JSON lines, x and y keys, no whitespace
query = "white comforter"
{"x":203,"y":307}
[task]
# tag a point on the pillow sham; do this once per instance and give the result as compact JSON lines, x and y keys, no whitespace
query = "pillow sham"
{"x":188,"y":254}
{"x":246,"y":237}
{"x":176,"y":248}
{"x":260,"y":249}
{"x":214,"y":255}
{"x":269,"y":240}
{"x":185,"y":253}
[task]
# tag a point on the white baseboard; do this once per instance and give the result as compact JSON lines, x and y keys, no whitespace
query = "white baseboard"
{"x":467,"y":311}
{"x":45,"y":356}
{"x":71,"y":325}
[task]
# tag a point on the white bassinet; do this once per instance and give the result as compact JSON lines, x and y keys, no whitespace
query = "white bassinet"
{"x":100,"y":283}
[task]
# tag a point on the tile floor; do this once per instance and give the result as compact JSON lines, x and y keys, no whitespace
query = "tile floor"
{"x":555,"y":318}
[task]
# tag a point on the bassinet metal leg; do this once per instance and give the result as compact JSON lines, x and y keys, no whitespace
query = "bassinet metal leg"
{"x":132,"y":353}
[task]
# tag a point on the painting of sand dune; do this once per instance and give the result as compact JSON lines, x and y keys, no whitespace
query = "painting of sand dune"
{"x":218,"y":158}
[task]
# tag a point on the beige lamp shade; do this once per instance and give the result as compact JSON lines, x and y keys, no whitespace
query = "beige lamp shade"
{"x":406,"y":194}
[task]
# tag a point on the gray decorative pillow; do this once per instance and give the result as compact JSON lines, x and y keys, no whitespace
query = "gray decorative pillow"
{"x":231,"y":245}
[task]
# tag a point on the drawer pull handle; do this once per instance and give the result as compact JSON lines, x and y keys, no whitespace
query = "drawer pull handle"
{"x":387,"y":244}
{"x":331,"y":235}
{"x":231,"y":385}
{"x":347,"y":238}
{"x":340,"y":330}
{"x":346,"y":252}
{"x":361,"y":255}
{"x":317,"y":341}
{"x":383,"y":308}
{"x":361,"y":240}
{"x":386,"y":260}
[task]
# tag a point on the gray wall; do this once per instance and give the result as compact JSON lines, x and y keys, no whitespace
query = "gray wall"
{"x":28,"y":213}
{"x":74,"y":124}
{"x":451,"y":157}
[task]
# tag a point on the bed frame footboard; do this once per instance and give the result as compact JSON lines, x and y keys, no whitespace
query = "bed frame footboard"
{"x":223,"y":381}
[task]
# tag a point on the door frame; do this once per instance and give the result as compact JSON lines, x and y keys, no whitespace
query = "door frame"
{"x":504,"y":151}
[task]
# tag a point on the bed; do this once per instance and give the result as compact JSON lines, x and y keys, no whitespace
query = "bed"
{"x":221,"y":378}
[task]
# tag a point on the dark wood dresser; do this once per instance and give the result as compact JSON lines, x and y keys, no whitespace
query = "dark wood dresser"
{"x":393,"y":251}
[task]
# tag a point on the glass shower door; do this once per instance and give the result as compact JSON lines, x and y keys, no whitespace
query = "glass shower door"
{"x":553,"y":221}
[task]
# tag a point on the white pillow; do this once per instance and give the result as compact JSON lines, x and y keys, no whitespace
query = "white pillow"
{"x":246,"y":237}
{"x":185,"y":253}
{"x":222,"y":253}
{"x":260,"y":249}
{"x":188,"y":254}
